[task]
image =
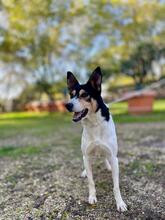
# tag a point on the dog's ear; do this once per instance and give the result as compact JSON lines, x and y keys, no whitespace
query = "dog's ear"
{"x":71,"y":81}
{"x":96,"y":79}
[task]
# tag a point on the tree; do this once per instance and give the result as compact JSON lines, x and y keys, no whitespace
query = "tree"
{"x":140,"y":62}
{"x":125,"y":25}
{"x":31,"y":46}
{"x":40,"y":40}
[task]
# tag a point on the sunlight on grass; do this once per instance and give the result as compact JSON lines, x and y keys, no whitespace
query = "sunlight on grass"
{"x":119,"y":108}
{"x":159,"y":105}
{"x":22,"y":115}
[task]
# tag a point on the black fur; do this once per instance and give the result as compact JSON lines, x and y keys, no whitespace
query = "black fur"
{"x":104,"y":109}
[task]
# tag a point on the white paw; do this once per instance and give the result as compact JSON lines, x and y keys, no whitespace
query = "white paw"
{"x":92,"y":200}
{"x":121,"y":206}
{"x":84,"y":174}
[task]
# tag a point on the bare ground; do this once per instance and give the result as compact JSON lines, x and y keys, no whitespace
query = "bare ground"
{"x":47,"y":185}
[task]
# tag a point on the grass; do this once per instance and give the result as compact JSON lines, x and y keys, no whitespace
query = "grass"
{"x":150,"y":117}
{"x":30,"y":123}
{"x":143,"y":168}
{"x":15,"y":152}
{"x":15,"y":127}
{"x":27,"y":133}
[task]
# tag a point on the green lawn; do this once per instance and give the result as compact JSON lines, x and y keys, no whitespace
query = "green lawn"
{"x":21,"y":130}
{"x":37,"y":125}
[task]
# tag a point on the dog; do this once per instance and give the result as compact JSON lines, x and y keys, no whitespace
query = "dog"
{"x":98,"y":134}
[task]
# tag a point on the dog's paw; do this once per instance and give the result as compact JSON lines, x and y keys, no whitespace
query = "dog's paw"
{"x":92,"y":199}
{"x":84,"y":174}
{"x":121,"y":206}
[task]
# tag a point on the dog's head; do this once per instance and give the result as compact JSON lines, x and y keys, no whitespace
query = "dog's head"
{"x":84,"y":97}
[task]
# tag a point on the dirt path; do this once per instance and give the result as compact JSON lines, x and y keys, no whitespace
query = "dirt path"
{"x":47,"y":185}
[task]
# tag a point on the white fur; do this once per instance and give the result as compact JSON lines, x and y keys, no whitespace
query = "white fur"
{"x":99,"y":136}
{"x":76,"y":105}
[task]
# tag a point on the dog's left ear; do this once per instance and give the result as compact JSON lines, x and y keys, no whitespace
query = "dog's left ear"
{"x":96,"y":79}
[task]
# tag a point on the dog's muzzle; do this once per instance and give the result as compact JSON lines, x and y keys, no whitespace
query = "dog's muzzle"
{"x":77,"y":116}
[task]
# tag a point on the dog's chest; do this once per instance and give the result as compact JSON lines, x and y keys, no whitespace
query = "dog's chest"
{"x":95,"y":133}
{"x":99,"y":136}
{"x":95,"y":139}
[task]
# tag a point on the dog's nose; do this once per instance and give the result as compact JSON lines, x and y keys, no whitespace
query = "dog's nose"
{"x":69,"y":106}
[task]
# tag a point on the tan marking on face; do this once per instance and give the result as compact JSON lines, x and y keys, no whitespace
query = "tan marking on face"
{"x":81,"y":92}
{"x":94,"y":105}
{"x":73,"y":92}
{"x":91,"y":106}
{"x":85,"y":104}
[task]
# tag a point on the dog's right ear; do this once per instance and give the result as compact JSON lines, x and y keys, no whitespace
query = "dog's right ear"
{"x":71,"y":81}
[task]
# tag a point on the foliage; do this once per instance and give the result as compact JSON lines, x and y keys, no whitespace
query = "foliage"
{"x":39,"y":40}
{"x":127,"y":24}
{"x":31,"y":43}
{"x":140,"y":63}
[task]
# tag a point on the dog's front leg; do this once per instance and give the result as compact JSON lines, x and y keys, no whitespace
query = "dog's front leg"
{"x":121,"y":206}
{"x":92,"y":191}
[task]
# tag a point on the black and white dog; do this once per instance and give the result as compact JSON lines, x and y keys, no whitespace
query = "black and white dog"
{"x":99,"y":133}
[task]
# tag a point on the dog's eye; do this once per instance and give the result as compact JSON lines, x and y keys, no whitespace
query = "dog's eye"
{"x":71,"y":95}
{"x":84,"y":95}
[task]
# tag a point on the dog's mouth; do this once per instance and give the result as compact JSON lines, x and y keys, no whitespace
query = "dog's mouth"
{"x":79,"y":115}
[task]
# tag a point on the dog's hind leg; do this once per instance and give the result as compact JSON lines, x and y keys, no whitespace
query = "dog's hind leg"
{"x":121,"y":206}
{"x":92,"y":191}
{"x":107,"y":164}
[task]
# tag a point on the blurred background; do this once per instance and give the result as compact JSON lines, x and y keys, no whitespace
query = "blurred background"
{"x":41,"y":40}
{"x":40,"y":156}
